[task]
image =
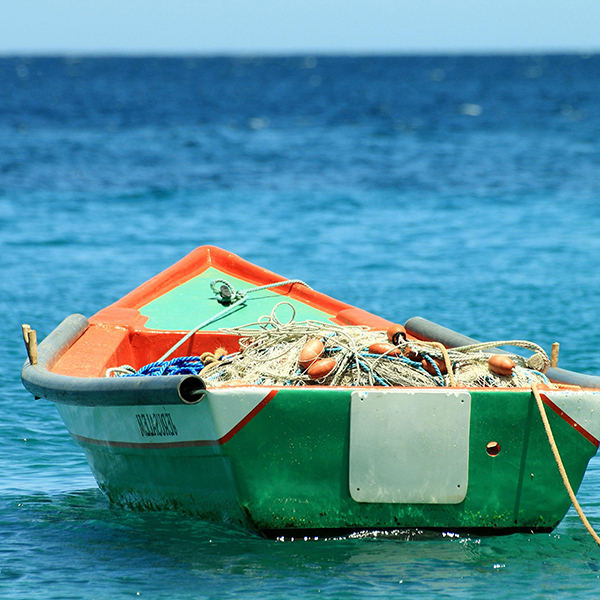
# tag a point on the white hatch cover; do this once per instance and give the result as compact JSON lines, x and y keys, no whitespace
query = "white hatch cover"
{"x":409,"y":446}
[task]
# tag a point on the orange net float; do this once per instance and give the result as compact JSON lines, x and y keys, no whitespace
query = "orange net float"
{"x":396,"y":334}
{"x":441,"y":365}
{"x":312,"y":351}
{"x":321,"y":368}
{"x":384,"y":348}
{"x":501,"y":365}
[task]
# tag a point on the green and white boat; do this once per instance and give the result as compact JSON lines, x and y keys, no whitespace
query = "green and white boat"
{"x":404,"y":434}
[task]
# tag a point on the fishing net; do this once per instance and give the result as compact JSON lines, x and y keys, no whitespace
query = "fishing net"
{"x":270,"y":355}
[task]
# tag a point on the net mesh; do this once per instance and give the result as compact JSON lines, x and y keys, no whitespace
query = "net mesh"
{"x":270,"y":355}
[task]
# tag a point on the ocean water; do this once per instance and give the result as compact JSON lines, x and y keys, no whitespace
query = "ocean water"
{"x":462,"y":189}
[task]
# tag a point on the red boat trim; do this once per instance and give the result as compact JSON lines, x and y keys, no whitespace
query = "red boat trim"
{"x":189,"y":444}
{"x":563,"y":415}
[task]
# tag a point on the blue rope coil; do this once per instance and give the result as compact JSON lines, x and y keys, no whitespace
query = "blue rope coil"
{"x":182,"y":365}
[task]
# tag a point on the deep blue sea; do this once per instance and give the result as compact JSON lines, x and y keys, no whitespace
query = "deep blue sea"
{"x":462,"y":189}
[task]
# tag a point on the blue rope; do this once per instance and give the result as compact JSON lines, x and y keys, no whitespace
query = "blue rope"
{"x":437,"y":370}
{"x":406,"y":361}
{"x":182,"y":365}
{"x":375,"y":376}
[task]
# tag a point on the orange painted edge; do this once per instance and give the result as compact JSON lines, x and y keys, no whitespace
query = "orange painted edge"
{"x":124,"y":314}
{"x":200,"y":259}
{"x":358,"y":316}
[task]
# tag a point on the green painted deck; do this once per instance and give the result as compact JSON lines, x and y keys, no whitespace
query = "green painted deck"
{"x":193,"y":302}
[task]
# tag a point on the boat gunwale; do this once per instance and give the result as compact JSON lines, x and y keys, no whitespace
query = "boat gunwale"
{"x":124,"y":315}
{"x":39,"y":380}
{"x":426,"y":330}
{"x":152,"y":390}
{"x":204,"y":257}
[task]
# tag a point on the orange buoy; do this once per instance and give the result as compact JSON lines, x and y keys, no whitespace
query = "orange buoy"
{"x":501,"y":365}
{"x":384,"y":348}
{"x":310,"y":353}
{"x":441,"y":365}
{"x":396,"y":333}
{"x":321,"y":368}
{"x":220,"y":352}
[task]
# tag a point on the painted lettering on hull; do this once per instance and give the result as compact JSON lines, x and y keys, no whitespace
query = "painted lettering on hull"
{"x":156,"y":424}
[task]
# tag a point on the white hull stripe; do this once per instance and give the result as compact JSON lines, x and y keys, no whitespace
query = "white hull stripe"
{"x":189,"y":443}
{"x":561,"y":405}
{"x":580,"y":410}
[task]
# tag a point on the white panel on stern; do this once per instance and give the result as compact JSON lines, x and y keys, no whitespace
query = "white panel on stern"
{"x":409,"y":446}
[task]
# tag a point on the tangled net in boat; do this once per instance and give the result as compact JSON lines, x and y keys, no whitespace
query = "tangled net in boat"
{"x":274,"y":354}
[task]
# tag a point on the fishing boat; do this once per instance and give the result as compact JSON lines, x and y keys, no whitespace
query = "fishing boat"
{"x":226,"y":391}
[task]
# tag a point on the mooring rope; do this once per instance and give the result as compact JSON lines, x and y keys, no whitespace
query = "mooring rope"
{"x":189,"y":334}
{"x":232,"y":295}
{"x":561,"y":467}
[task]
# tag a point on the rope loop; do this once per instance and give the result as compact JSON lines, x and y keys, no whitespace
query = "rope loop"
{"x":227,"y":294}
{"x":541,"y":360}
{"x":120,"y":371}
{"x":274,"y":318}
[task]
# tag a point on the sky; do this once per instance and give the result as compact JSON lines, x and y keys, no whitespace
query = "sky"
{"x":297,"y":26}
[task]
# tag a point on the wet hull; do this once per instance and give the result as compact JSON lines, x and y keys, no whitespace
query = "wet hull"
{"x":292,"y":460}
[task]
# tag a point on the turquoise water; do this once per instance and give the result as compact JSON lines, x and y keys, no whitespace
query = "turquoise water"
{"x":464,"y":190}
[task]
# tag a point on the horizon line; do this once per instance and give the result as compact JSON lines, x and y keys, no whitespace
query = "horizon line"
{"x":33,"y":53}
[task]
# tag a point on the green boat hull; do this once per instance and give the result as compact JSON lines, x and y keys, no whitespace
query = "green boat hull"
{"x":315,"y":457}
{"x":288,"y":468}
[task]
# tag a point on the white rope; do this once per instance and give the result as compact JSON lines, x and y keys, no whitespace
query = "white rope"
{"x":537,"y":350}
{"x":188,"y":335}
{"x":561,"y":467}
{"x":269,"y":355}
{"x":239,"y":299}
